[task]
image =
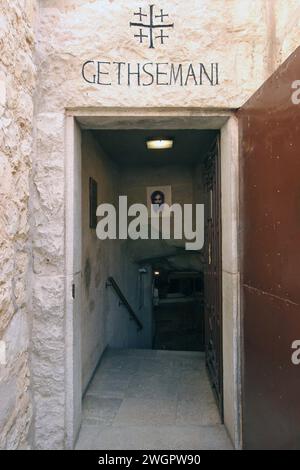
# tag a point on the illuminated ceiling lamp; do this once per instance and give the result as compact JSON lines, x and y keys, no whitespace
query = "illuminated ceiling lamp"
{"x":159,"y":144}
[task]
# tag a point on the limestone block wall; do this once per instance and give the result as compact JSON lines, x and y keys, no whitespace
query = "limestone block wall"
{"x":17,"y":82}
{"x":232,"y":33}
{"x":238,"y":34}
{"x":287,"y":24}
{"x":135,"y":180}
{"x":48,"y":277}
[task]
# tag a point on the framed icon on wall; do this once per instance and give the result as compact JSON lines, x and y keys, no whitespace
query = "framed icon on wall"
{"x":157,"y":198}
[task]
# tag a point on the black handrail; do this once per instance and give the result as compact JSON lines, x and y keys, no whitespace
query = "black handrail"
{"x":112,"y":283}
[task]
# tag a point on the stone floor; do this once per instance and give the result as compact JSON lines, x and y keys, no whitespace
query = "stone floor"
{"x":146,"y":399}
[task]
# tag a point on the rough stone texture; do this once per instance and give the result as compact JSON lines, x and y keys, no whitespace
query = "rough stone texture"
{"x":287,"y":26}
{"x":232,"y":33}
{"x":247,"y":38}
{"x":17,"y":82}
{"x":241,"y":36}
{"x":48,"y":338}
{"x":48,"y":195}
{"x":48,"y":361}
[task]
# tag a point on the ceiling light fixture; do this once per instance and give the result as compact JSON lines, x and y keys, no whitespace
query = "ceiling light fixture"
{"x":159,"y":144}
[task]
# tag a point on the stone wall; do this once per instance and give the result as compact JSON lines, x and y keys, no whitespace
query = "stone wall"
{"x":17,"y":82}
{"x":287,"y":26}
{"x":186,"y":181}
{"x":233,"y":34}
{"x":247,"y":38}
{"x":239,"y":35}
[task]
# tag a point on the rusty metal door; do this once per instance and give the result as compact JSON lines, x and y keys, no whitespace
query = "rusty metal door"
{"x":213,"y":274}
{"x":270,"y":253}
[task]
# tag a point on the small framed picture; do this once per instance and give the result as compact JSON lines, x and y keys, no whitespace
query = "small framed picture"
{"x":93,"y":195}
{"x":158,"y":197}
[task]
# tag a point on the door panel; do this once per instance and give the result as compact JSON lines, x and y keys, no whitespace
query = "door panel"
{"x":213,"y":275}
{"x":270,"y":271}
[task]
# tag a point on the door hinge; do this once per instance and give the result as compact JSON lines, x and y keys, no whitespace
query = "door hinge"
{"x":73,"y":291}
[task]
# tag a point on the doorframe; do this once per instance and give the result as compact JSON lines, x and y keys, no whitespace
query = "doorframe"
{"x":134,"y":118}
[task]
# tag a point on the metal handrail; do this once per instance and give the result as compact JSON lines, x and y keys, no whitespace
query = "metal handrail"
{"x":112,"y":283}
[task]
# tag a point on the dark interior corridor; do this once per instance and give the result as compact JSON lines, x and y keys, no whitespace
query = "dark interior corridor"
{"x":179,"y":312}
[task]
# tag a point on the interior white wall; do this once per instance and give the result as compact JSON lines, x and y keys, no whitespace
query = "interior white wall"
{"x":104,"y":322}
{"x":134,"y":182}
{"x":136,"y":179}
{"x":132,"y":282}
{"x":100,"y":259}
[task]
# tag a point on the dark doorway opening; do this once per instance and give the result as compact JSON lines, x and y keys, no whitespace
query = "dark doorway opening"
{"x":175,"y":293}
{"x":179,"y":315}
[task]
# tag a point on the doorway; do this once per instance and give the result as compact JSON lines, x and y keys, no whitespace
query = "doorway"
{"x":230,"y":365}
{"x":119,"y":164}
{"x":179,"y":310}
